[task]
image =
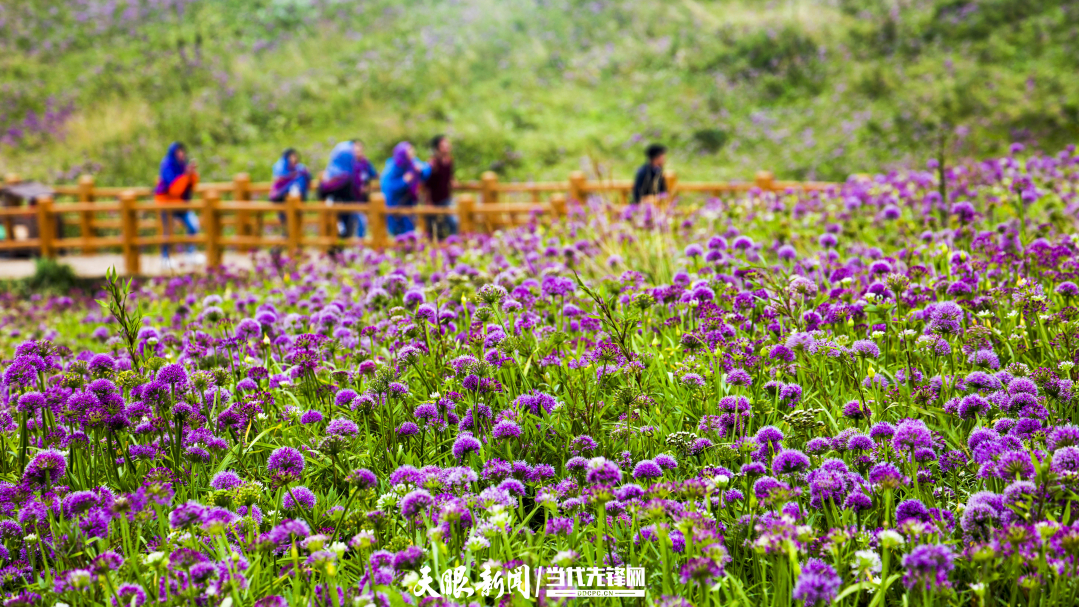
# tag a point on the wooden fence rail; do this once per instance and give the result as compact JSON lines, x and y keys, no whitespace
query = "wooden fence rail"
{"x":236,"y":214}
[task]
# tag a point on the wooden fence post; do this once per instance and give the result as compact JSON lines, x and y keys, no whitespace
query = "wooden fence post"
{"x":672,"y":182}
{"x":46,"y":226}
{"x":9,"y":221}
{"x":212,"y":219}
{"x":377,"y":221}
{"x":294,"y":223}
{"x":466,"y":204}
{"x":241,"y":192}
{"x":489,"y":181}
{"x":558,"y":205}
{"x":129,"y":231}
{"x":577,"y":181}
{"x":765,"y":180}
{"x":86,"y":219}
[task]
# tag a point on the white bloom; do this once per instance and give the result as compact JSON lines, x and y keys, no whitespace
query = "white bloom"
{"x":890,"y":538}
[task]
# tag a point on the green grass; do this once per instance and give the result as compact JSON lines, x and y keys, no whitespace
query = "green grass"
{"x":535,"y":89}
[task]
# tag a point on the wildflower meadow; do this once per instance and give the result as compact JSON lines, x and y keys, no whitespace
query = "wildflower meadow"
{"x":861,"y":396}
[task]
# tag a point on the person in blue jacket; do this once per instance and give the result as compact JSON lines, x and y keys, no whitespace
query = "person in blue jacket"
{"x":400,"y":184}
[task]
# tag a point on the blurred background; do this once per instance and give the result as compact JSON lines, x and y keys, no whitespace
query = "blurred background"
{"x":532,"y":89}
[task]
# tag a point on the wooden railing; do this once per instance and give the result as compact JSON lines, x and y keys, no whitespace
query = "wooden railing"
{"x":235,"y":214}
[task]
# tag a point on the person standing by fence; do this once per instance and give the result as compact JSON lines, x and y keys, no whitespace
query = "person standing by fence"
{"x":650,"y":180}
{"x":289,"y":176}
{"x":401,"y":182}
{"x":440,"y":187}
{"x":177,"y":179}
{"x":345,"y":180}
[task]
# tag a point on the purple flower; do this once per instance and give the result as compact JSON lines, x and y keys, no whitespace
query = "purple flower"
{"x":665,"y":461}
{"x":465,"y":443}
{"x":407,"y":429}
{"x":789,"y":461}
{"x":912,"y":509}
{"x":886,"y":475}
{"x":129,"y":595}
{"x":362,"y":478}
{"x":506,"y":429}
{"x":865,"y":349}
{"x":582,"y":444}
{"x":858,"y":502}
{"x":45,"y":468}
{"x":408,"y":559}
{"x":297,"y":497}
{"x":602,"y":471}
{"x":647,"y":469}
{"x":288,"y":531}
{"x":928,"y":566}
{"x":817,"y":584}
{"x":79,"y":502}
{"x":311,"y":417}
{"x":909,"y":435}
{"x":342,"y":427}
{"x":172,"y":374}
{"x":286,"y":461}
{"x":187,"y":514}
{"x":415,"y":502}
{"x":559,"y":526}
{"x":226,"y":479}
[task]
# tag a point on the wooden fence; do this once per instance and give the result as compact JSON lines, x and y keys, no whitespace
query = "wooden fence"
{"x":236,"y":214}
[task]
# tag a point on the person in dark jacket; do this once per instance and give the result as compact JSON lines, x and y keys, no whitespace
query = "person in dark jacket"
{"x":440,"y":187}
{"x":649,"y":180}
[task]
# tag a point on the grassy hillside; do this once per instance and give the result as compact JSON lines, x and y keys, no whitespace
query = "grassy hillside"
{"x":533,"y":88}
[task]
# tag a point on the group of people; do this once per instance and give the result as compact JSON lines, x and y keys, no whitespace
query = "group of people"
{"x":348,"y":177}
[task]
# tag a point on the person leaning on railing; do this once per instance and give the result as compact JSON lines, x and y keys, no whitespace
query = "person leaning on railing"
{"x":649,"y":180}
{"x":176,"y":183}
{"x":345,"y":180}
{"x":400,"y":182}
{"x":289,"y":177}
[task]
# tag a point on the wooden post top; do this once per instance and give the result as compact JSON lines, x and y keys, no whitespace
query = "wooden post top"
{"x":86,"y":180}
{"x":12,"y":178}
{"x":241,"y":178}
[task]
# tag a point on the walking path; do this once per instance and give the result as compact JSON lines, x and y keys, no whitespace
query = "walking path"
{"x":92,"y":266}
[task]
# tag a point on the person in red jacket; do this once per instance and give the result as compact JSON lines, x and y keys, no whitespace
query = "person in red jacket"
{"x":176,"y":182}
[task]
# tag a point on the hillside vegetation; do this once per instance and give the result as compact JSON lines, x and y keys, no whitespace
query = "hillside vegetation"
{"x":533,"y":88}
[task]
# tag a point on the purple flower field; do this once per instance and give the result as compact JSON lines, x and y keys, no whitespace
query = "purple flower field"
{"x":857,"y":397}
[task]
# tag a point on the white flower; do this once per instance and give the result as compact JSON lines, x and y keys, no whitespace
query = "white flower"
{"x":1011,"y":314}
{"x":387,"y":501}
{"x":865,"y":564}
{"x":890,"y":538}
{"x":476,"y":543}
{"x":409,"y":580}
{"x":564,"y":558}
{"x":1066,"y":366}
{"x":498,"y":516}
{"x":877,"y":334}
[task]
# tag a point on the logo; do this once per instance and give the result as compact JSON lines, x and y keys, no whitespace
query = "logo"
{"x":560,"y":582}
